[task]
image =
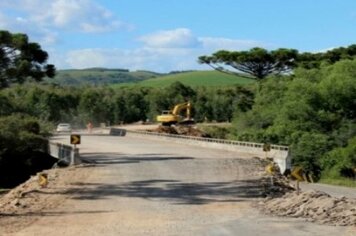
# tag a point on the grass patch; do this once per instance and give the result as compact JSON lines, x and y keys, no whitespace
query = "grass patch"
{"x":193,"y":79}
{"x":339,"y":182}
{"x":220,"y":131}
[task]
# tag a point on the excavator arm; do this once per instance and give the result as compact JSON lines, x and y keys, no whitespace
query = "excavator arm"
{"x":179,"y":107}
{"x":174,"y":117}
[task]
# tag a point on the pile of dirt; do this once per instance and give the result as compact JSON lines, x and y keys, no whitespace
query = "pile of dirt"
{"x":29,"y":198}
{"x":165,"y":130}
{"x":25,"y":196}
{"x":181,"y":130}
{"x":313,"y":205}
{"x":276,"y":186}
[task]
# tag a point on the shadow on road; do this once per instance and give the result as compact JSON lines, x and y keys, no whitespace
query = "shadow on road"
{"x":173,"y":191}
{"x":51,"y":213}
{"x":117,"y":158}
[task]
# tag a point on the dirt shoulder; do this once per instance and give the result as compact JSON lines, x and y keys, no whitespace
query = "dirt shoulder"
{"x":23,"y":205}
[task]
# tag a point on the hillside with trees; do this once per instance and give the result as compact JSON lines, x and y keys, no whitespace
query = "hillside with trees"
{"x":100,"y":76}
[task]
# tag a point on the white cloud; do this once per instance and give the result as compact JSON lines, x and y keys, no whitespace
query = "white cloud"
{"x":19,"y":24}
{"x":87,"y":58}
{"x":228,"y":44}
{"x":75,"y":15}
{"x":156,"y":59}
{"x":83,"y":14}
{"x":324,"y":50}
{"x":163,"y":51}
{"x":184,"y":38}
{"x":177,"y":38}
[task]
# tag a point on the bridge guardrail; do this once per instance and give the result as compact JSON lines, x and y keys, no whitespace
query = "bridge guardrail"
{"x":64,"y":152}
{"x":280,"y":154}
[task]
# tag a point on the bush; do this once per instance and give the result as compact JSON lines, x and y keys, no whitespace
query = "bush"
{"x":22,"y":149}
{"x":340,"y":162}
{"x":307,"y":149}
{"x":215,"y":131}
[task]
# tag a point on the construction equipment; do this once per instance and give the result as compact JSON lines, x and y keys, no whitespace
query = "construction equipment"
{"x":172,"y":117}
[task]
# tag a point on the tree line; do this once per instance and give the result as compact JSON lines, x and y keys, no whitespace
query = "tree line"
{"x":56,"y":104}
{"x":258,"y":63}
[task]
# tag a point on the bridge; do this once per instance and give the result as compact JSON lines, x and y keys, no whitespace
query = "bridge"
{"x":142,"y":184}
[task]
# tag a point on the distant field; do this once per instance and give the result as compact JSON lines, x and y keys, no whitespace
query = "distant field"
{"x":100,"y":76}
{"x":103,"y":72}
{"x":196,"y":78}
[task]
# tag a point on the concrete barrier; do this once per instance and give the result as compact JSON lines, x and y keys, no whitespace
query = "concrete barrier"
{"x":63,"y":152}
{"x":117,"y":132}
{"x":280,"y":154}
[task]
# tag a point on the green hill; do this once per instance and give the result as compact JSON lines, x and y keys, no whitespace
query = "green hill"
{"x":195,"y":78}
{"x":100,"y":76}
{"x":123,"y":77}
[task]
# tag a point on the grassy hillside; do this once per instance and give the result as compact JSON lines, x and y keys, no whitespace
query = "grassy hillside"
{"x":196,"y":78}
{"x":100,"y":76}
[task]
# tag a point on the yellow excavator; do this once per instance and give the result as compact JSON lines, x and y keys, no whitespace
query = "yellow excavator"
{"x":172,"y":117}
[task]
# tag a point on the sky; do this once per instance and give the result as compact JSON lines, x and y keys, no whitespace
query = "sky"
{"x":169,"y":35}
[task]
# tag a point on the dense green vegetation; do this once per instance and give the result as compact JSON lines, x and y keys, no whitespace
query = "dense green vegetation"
{"x":193,"y":79}
{"x":22,"y":149}
{"x":313,"y":111}
{"x":113,"y":106}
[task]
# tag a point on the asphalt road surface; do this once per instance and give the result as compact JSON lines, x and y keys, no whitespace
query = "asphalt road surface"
{"x":139,"y":186}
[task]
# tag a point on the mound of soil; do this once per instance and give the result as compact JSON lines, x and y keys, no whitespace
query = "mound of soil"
{"x":181,"y":130}
{"x":19,"y":205}
{"x":315,"y":206}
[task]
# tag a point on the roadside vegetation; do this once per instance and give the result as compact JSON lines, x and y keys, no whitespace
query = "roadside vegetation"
{"x":314,"y":112}
{"x":312,"y":108}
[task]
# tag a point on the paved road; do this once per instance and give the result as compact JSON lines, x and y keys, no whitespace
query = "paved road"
{"x":145,"y":187}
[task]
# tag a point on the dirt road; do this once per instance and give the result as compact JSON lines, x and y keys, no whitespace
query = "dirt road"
{"x":143,"y":187}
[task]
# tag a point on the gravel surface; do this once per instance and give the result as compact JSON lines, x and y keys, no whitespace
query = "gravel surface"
{"x":134,"y":186}
{"x":25,"y":204}
{"x":315,"y":206}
